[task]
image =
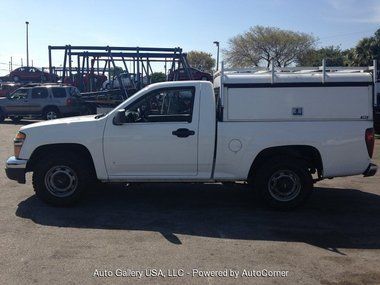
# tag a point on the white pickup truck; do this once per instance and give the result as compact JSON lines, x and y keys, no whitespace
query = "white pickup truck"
{"x":278,"y":131}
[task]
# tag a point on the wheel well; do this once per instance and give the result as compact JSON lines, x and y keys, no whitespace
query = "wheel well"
{"x":49,"y":107}
{"x":40,"y":153}
{"x":307,"y":153}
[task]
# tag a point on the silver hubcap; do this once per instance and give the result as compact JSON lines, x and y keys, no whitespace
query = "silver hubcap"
{"x":284,"y":185}
{"x":61,"y":181}
{"x":51,"y":115}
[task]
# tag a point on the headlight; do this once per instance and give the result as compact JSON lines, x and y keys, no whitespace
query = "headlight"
{"x":18,"y":142}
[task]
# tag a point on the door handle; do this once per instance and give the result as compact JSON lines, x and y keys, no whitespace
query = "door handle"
{"x":183,"y":133}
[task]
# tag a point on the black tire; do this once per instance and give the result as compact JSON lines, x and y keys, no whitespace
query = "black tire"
{"x":16,"y":119}
{"x":70,"y":169}
{"x":2,"y":117}
{"x":51,"y":113}
{"x":284,"y":182}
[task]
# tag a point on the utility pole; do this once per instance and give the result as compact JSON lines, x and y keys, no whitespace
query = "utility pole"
{"x":217,"y":55}
{"x":27,"y":44}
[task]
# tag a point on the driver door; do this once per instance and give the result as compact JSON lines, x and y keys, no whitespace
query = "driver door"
{"x":159,"y":140}
{"x":16,"y":101}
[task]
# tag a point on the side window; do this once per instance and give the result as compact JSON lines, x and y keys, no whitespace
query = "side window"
{"x":59,"y":92}
{"x":39,"y":93}
{"x":19,"y":94}
{"x":164,"y":105}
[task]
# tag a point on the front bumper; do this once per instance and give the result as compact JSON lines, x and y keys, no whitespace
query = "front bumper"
{"x":15,"y":169}
{"x":371,"y":170}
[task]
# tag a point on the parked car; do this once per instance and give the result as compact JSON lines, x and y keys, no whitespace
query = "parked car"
{"x":129,"y":80}
{"x":31,"y":74}
{"x":47,"y":101}
{"x":86,"y":82}
{"x":7,"y":88}
{"x":279,"y":137}
{"x":376,"y":119}
{"x":196,"y":74}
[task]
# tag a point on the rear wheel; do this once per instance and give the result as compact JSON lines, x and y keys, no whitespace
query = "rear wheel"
{"x":87,"y":110}
{"x":61,"y":180}
{"x":284,"y":182}
{"x":51,"y":113}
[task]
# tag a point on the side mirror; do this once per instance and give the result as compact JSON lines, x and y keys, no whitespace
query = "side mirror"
{"x":120,"y":118}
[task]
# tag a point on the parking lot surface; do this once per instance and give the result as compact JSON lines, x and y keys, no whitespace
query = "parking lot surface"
{"x":190,"y":230}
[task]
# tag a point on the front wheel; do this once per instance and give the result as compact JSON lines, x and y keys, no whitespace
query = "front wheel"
{"x":284,"y":182}
{"x":61,"y":180}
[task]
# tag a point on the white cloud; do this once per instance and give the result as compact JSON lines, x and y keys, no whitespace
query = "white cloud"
{"x":359,"y":11}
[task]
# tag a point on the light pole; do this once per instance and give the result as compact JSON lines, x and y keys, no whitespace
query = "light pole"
{"x":217,"y":55}
{"x":27,"y":44}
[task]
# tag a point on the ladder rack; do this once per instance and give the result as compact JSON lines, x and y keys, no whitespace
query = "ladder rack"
{"x":298,"y":69}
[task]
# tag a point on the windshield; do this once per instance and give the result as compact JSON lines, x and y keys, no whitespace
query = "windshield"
{"x":74,"y":92}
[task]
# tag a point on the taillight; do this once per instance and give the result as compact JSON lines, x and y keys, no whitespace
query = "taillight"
{"x":370,"y":141}
{"x":69,"y":101}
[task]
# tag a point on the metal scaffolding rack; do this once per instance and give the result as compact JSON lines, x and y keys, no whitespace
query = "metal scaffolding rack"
{"x":93,"y":60}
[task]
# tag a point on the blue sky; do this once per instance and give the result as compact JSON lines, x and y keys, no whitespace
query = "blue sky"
{"x":189,"y":24}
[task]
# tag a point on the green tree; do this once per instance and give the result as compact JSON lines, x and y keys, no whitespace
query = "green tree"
{"x":201,"y":60}
{"x":333,"y":55}
{"x":365,"y":51}
{"x":263,"y":45}
{"x":158,"y":77}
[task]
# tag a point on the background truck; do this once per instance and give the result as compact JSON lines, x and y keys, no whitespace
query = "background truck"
{"x":278,"y":131}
